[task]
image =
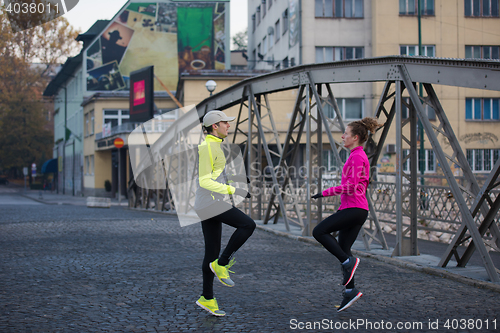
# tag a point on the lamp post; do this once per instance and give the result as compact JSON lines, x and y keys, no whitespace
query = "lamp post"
{"x":211,"y":85}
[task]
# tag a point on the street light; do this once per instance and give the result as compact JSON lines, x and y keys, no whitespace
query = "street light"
{"x":211,"y":85}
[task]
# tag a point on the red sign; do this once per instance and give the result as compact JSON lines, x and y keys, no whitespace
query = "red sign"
{"x":139,"y":92}
{"x":118,"y":143}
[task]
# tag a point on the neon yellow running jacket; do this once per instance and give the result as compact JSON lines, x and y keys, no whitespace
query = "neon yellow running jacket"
{"x":212,"y":162}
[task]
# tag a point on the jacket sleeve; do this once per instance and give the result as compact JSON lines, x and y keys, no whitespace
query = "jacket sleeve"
{"x":352,"y":184}
{"x":207,"y":176}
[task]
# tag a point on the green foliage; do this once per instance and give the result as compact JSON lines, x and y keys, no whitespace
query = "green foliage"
{"x":24,"y":137}
{"x":240,"y":40}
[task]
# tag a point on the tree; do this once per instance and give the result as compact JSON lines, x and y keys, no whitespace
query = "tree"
{"x":23,"y":139}
{"x":240,"y":40}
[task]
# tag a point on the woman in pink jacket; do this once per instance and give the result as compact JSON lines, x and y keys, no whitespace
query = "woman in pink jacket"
{"x":353,"y":209}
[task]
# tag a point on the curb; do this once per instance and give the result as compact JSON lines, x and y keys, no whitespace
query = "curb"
{"x":55,"y":203}
{"x":38,"y":200}
{"x":398,"y":262}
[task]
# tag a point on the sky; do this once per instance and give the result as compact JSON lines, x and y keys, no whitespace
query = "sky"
{"x":87,"y":12}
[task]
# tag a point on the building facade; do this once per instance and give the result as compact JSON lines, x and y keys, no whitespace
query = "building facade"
{"x":335,"y":30}
{"x":91,"y":95}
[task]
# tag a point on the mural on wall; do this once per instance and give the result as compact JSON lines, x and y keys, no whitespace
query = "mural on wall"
{"x":172,"y":36}
{"x":480,"y":137}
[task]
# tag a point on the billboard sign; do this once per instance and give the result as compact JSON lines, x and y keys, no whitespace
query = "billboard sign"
{"x":173,"y":36}
{"x":141,"y":95}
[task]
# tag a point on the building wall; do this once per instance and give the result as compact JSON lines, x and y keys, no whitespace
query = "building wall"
{"x":281,"y":103}
{"x":94,"y":177}
{"x":280,"y":48}
{"x":70,"y":101}
{"x":450,"y":31}
{"x":337,"y":32}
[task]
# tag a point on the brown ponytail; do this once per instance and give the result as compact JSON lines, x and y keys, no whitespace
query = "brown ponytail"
{"x":362,"y":127}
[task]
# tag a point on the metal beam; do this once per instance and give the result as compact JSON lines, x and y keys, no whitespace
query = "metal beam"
{"x":455,"y":189}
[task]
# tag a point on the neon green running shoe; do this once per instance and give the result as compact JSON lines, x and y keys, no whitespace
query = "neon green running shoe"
{"x":210,"y":305}
{"x":222,"y":272}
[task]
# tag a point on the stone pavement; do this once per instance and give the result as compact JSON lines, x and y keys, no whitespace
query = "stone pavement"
{"x":52,"y":198}
{"x":430,"y":254}
{"x":69,"y":268}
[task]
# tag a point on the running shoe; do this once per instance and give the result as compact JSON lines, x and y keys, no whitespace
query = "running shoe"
{"x":210,"y":305}
{"x":222,"y":272}
{"x":349,"y":269}
{"x":349,"y":298}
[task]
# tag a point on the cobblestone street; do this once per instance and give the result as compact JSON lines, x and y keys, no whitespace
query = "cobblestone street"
{"x":75,"y":269}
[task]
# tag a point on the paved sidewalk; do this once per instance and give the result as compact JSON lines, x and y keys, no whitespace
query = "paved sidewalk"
{"x":430,"y":254}
{"x":52,"y":198}
{"x":69,"y":268}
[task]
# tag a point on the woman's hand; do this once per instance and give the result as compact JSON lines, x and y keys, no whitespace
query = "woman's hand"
{"x":242,"y":193}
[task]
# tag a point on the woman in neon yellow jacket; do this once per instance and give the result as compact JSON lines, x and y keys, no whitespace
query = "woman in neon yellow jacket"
{"x":213,"y":210}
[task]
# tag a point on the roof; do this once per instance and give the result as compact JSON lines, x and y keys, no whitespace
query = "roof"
{"x":66,"y":72}
{"x":90,"y":34}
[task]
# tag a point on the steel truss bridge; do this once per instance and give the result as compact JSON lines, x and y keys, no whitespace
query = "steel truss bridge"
{"x":468,"y":205}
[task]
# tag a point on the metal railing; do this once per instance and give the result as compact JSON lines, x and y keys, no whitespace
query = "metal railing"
{"x":152,"y":126}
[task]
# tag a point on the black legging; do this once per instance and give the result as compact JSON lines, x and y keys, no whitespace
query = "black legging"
{"x":212,"y":232}
{"x":348,"y":223}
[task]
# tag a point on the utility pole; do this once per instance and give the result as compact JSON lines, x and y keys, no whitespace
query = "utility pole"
{"x":64,"y":140}
{"x":420,"y":127}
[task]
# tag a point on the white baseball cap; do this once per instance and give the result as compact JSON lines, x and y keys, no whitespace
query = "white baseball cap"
{"x":215,"y":116}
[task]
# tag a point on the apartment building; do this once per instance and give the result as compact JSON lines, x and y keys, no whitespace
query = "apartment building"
{"x":285,"y":33}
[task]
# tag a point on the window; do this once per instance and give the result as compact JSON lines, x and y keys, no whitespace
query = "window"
{"x":259,"y":49}
{"x":271,"y":40}
{"x":264,"y":10}
{"x":91,"y":164}
{"x":428,"y":50}
{"x":350,"y":108}
{"x":92,"y":123}
{"x":86,"y":124}
{"x":264,"y":45}
{"x":430,"y":161}
{"x":258,"y":15}
{"x":323,"y":8}
{"x":483,"y":109}
{"x":327,"y":54}
{"x":116,"y":117}
{"x":477,"y":8}
{"x":352,"y":8}
{"x":405,"y":113}
{"x":410,"y":7}
{"x":87,"y":165}
{"x":482,"y":52}
{"x":270,"y":3}
{"x":285,"y":62}
{"x":253,"y":23}
{"x":285,"y":21}
{"x":277,"y":30}
{"x":482,"y":160}
{"x":338,"y":8}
